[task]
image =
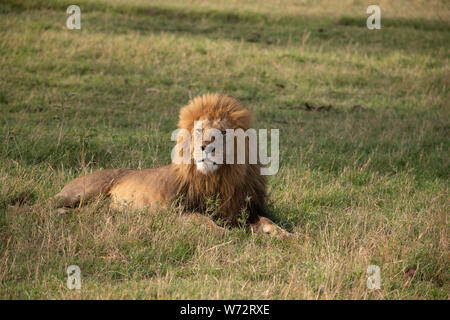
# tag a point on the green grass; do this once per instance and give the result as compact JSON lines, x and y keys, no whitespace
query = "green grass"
{"x":357,"y":187}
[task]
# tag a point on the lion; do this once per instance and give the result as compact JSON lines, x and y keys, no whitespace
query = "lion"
{"x":239,"y":190}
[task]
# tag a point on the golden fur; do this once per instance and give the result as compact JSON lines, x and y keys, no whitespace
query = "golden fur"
{"x":237,"y":188}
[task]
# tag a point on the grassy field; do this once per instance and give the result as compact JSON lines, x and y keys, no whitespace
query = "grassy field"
{"x":358,"y":186}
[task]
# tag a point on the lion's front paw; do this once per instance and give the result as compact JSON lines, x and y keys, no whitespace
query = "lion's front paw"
{"x":267,"y":226}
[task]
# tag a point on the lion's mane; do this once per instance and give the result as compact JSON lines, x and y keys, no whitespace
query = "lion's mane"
{"x":237,"y":188}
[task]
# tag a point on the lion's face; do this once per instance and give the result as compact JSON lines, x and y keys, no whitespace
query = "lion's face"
{"x":207,"y":118}
{"x":208,"y":144}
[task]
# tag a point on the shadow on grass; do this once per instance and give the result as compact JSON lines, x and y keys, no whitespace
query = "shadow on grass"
{"x":302,"y":31}
{"x":252,"y":27}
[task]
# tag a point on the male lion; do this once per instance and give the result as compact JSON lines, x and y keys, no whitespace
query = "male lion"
{"x":237,"y":188}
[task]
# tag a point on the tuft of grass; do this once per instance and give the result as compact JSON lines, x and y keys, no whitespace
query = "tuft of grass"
{"x":357,"y":185}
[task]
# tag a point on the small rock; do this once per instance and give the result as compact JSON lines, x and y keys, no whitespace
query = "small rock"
{"x":152,"y":90}
{"x":324,"y":108}
{"x":358,"y":107}
{"x":309,"y":107}
{"x":410,"y":272}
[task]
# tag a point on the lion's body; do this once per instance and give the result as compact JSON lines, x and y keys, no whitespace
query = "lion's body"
{"x":148,"y":188}
{"x":237,"y":188}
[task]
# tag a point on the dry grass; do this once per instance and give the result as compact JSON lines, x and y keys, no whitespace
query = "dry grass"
{"x":356,"y":186}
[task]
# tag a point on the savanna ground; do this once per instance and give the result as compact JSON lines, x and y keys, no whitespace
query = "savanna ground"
{"x":358,"y":186}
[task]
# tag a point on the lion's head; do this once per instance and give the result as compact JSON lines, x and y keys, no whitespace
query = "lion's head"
{"x":207,"y":118}
{"x":238,"y":186}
